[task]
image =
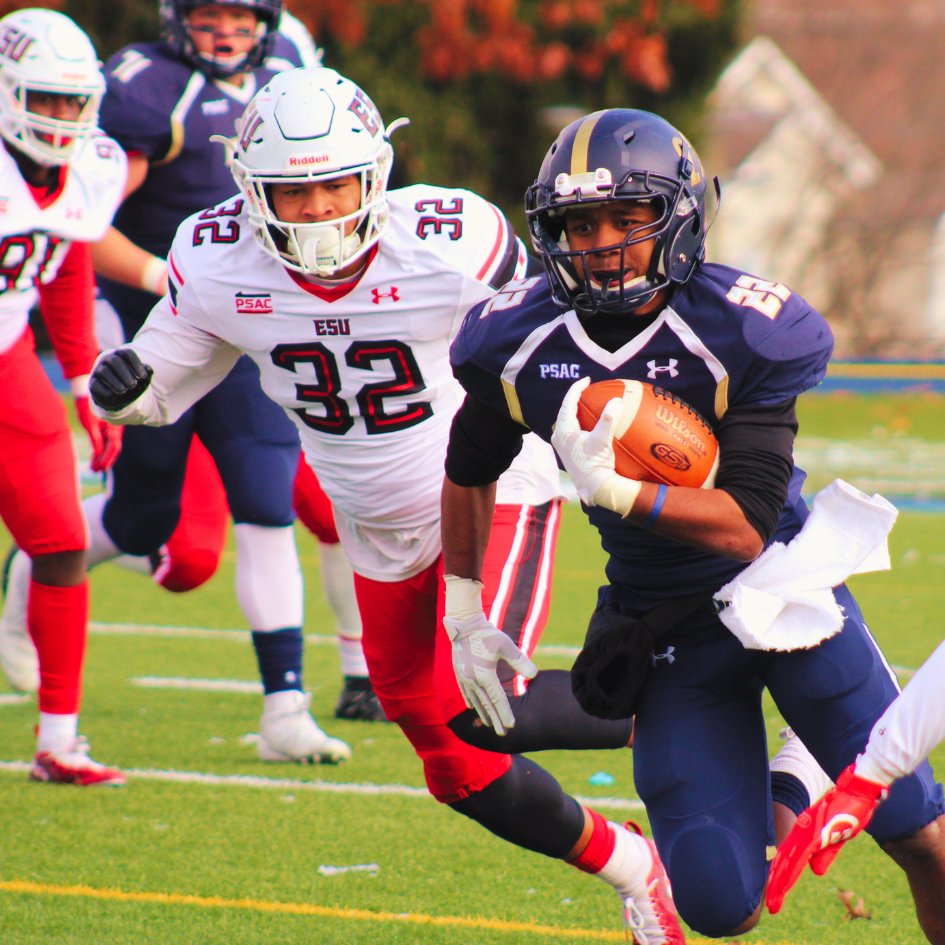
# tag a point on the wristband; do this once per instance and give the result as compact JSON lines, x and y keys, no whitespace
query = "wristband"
{"x":80,"y":385}
{"x":154,"y":276}
{"x":650,"y":520}
{"x":463,"y":597}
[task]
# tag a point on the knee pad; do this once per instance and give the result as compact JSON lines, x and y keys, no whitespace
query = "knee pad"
{"x":182,"y":574}
{"x":717,"y":880}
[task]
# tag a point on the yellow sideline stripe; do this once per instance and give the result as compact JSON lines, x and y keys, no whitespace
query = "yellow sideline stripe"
{"x":328,"y":912}
{"x":304,"y":908}
{"x":916,"y":372}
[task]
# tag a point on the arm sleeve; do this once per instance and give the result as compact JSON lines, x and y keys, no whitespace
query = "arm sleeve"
{"x":68,"y":307}
{"x":910,"y":728}
{"x":483,"y":443}
{"x":188,"y":363}
{"x":756,"y":461}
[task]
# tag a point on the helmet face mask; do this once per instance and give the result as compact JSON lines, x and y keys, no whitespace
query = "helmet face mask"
{"x":45,"y":52}
{"x":178,"y":33}
{"x":313,"y":126}
{"x":611,"y":157}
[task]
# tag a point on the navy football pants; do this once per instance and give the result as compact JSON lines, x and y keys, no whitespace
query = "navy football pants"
{"x":253,"y":443}
{"x":701,"y":761}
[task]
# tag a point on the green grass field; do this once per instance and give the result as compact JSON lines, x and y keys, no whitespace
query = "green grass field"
{"x":232,"y":862}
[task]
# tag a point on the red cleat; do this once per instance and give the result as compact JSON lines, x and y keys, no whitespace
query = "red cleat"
{"x":73,"y":765}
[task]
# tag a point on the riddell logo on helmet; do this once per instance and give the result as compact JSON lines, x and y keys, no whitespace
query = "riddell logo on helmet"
{"x":308,"y":160}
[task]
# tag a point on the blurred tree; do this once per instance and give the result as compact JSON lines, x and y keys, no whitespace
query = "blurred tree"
{"x":487,"y":84}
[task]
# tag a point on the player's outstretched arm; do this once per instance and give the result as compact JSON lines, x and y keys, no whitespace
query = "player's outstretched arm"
{"x":820,"y":832}
{"x":119,"y":379}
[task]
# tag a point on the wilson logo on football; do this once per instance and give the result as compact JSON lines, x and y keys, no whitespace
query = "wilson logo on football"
{"x":670,"y":456}
{"x":253,"y":303}
{"x":678,"y":425}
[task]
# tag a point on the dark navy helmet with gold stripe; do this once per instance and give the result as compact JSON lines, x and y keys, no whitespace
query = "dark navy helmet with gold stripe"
{"x":619,"y":154}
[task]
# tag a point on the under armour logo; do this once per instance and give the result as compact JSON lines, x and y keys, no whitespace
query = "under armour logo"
{"x":73,"y":214}
{"x":291,"y":677}
{"x":668,"y":655}
{"x":378,"y":295}
{"x":655,"y":369}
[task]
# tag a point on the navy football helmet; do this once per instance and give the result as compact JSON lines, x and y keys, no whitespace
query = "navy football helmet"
{"x":619,"y":154}
{"x":176,"y":33}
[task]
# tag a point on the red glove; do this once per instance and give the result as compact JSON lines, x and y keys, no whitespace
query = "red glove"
{"x":106,"y":439}
{"x":820,"y":832}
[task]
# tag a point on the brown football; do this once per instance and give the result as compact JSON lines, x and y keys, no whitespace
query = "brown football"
{"x":658,"y":438}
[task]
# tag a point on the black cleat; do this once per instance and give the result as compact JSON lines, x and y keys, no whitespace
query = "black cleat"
{"x":357,"y":701}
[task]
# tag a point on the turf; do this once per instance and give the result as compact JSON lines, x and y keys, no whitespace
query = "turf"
{"x":222,"y":844}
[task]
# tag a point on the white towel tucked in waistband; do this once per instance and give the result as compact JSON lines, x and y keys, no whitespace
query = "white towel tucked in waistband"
{"x":783,"y":599}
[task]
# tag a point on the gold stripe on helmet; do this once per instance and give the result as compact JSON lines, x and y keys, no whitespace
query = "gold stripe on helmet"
{"x":582,"y":141}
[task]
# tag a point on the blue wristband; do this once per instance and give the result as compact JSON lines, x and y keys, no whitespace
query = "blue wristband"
{"x":657,"y":508}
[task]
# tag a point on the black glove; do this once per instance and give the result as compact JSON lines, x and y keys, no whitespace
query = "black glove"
{"x":119,"y":379}
{"x":607,"y":675}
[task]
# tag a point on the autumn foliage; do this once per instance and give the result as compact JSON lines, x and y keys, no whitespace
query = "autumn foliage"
{"x":525,"y":42}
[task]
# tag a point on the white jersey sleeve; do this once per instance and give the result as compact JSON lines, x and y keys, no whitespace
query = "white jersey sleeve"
{"x":905,"y":734}
{"x":188,"y":361}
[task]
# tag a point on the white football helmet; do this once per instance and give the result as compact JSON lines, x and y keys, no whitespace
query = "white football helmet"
{"x":313,"y":125}
{"x":44,"y":51}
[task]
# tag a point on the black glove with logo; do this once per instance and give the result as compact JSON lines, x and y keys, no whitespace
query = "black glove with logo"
{"x":119,"y":379}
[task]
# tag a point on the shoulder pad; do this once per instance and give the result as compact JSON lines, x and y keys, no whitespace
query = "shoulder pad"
{"x":463,"y":229}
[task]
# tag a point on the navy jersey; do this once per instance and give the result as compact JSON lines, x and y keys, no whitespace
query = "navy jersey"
{"x":159,"y":106}
{"x":725,"y":339}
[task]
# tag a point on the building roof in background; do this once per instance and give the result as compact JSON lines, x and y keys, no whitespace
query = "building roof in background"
{"x":879,"y":65}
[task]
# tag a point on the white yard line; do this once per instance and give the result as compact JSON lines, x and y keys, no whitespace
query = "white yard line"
{"x":296,"y":784}
{"x":200,"y":685}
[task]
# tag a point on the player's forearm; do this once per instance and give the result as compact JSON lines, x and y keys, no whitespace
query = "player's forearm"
{"x":117,"y":258}
{"x":466,"y":524}
{"x":910,"y":728}
{"x":707,"y":519}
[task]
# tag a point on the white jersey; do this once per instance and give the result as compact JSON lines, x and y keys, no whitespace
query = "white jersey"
{"x":910,"y":728}
{"x":363,"y":370}
{"x":34,"y":241}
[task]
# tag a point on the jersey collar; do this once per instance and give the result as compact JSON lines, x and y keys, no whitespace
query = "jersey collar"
{"x":335,"y":292}
{"x":612,"y":359}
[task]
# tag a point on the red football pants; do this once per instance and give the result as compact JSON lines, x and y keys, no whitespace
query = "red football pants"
{"x":409,"y":654}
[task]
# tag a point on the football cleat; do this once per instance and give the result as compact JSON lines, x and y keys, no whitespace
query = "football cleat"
{"x":649,"y":913}
{"x":291,"y":734}
{"x":72,"y":765}
{"x":18,"y":656}
{"x":358,"y":701}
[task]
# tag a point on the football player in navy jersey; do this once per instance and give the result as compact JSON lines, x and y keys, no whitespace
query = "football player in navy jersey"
{"x":618,"y":217}
{"x":164,"y":100}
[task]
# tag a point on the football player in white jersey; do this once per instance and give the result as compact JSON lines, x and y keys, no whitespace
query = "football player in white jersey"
{"x":60,"y":183}
{"x":347,"y":297}
{"x":901,"y":739}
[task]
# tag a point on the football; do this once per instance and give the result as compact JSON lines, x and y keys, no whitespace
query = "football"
{"x":658,"y":438}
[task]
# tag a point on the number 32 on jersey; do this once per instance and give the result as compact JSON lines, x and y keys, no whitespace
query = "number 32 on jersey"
{"x":336,"y":416}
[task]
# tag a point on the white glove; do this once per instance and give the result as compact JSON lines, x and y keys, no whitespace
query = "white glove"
{"x":477,"y":648}
{"x":588,"y":456}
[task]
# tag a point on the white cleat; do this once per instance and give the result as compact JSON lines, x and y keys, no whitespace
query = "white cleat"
{"x":291,"y":734}
{"x":17,"y":653}
{"x":649,"y":914}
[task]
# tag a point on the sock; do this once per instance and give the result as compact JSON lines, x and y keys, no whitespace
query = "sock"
{"x":279,"y":654}
{"x":338,"y":585}
{"x":101,"y":547}
{"x":795,"y":775}
{"x":788,"y":790}
{"x":629,"y":857}
{"x":593,"y":858}
{"x":57,"y":731}
{"x":352,"y":657}
{"x":287,"y":700}
{"x":57,"y":618}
